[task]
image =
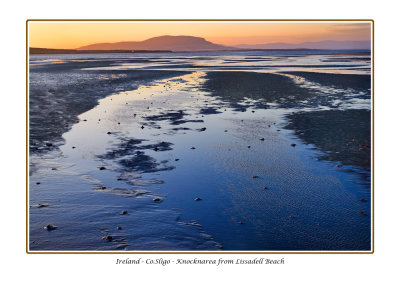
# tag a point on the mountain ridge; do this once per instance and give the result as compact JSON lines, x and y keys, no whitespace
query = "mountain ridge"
{"x":165,"y":42}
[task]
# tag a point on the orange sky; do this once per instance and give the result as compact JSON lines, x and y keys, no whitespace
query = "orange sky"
{"x":77,"y":34}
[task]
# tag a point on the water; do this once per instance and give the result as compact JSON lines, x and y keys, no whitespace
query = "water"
{"x":170,"y":141}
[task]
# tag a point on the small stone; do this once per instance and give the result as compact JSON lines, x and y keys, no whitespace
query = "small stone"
{"x":108,"y":133}
{"x":73,"y":147}
{"x":142,"y":127}
{"x":262,"y":139}
{"x":84,"y":120}
{"x":293,"y":144}
{"x":265,"y":188}
{"x":248,"y":146}
{"x":40,"y":205}
{"x":37,"y":183}
{"x":119,"y":228}
{"x":50,"y":227}
{"x":192,"y":147}
{"x":123,"y":212}
{"x":156,"y":149}
{"x":254,"y":177}
{"x":157,"y":199}
{"x":176,"y":159}
{"x":102,"y":168}
{"x":49,"y":144}
{"x":197,"y":199}
{"x":108,"y":238}
{"x":202,"y":129}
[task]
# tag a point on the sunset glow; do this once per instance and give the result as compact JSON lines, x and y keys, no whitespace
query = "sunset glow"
{"x":76,"y":34}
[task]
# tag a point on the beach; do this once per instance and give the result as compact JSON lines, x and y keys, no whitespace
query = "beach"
{"x":200,"y":152}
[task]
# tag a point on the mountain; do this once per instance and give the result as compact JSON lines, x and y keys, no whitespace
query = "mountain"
{"x":327,"y":44}
{"x":166,"y":42}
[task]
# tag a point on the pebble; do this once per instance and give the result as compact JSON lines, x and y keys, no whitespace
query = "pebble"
{"x":176,"y":159}
{"x":108,"y":238}
{"x":255,"y":176}
{"x":108,"y":133}
{"x":50,"y":227}
{"x":293,"y":144}
{"x":197,"y":199}
{"x":119,"y":228}
{"x":262,"y":139}
{"x":192,"y":147}
{"x":124,"y":212}
{"x":157,"y":199}
{"x":102,"y":168}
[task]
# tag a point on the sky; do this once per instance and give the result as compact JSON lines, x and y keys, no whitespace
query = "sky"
{"x":74,"y":34}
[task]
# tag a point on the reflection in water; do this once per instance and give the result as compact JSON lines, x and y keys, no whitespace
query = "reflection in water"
{"x":237,"y":142}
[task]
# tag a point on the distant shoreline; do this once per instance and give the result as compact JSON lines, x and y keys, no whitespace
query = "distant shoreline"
{"x":49,"y":51}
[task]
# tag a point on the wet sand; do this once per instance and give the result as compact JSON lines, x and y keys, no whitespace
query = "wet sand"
{"x":201,"y":161}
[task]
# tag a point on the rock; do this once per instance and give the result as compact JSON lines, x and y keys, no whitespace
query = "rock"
{"x":197,"y":199}
{"x":37,"y":183}
{"x":202,"y":129}
{"x":248,"y":146}
{"x":265,"y":188}
{"x":123,"y":212}
{"x":156,"y":149}
{"x":176,"y":159}
{"x":254,"y":177}
{"x":40,"y":205}
{"x":192,"y":147}
{"x":142,"y":127}
{"x":50,"y":227}
{"x":108,"y":133}
{"x":262,"y":139}
{"x":157,"y":199}
{"x":119,"y":228}
{"x":293,"y":144}
{"x":49,"y":144}
{"x":73,"y":147}
{"x":102,"y":168}
{"x":108,"y":238}
{"x":84,"y":120}
{"x":225,"y":131}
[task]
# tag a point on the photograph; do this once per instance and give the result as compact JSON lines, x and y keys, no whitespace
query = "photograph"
{"x":200,"y":136}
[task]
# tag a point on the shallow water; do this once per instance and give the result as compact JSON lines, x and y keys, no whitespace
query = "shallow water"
{"x":170,"y":141}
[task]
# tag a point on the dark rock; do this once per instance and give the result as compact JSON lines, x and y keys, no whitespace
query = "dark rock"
{"x":262,"y":139}
{"x":50,"y":227}
{"x":108,"y":238}
{"x":192,"y":147}
{"x":119,"y":228}
{"x":102,"y":168}
{"x":142,"y":127}
{"x":254,"y":177}
{"x":108,"y":133}
{"x":176,"y":159}
{"x":49,"y":144}
{"x":157,"y":199}
{"x":123,"y":212}
{"x":37,"y":183}
{"x":197,"y":199}
{"x":293,"y":144}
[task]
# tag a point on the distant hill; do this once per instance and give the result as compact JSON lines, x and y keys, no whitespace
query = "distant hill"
{"x":34,"y":50}
{"x":327,"y":44}
{"x":166,"y":42}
